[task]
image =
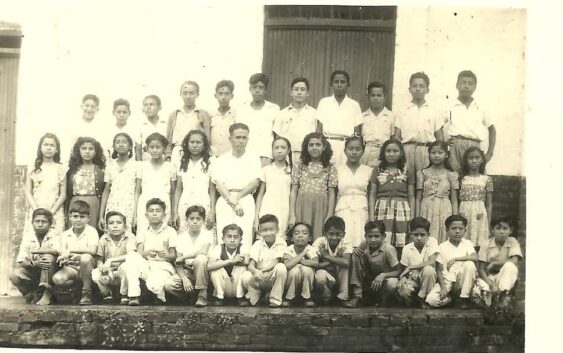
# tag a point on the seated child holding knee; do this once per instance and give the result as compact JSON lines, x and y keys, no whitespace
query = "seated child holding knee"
{"x":266,"y":272}
{"x":455,"y":265}
{"x":301,"y":260}
{"x":156,"y":251}
{"x":498,"y":265}
{"x":36,"y":261}
{"x":79,"y":245}
{"x":334,"y":262}
{"x":418,"y":262}
{"x":227,"y":265}
{"x":113,"y":248}
{"x":375,"y":267}
{"x":192,"y":247}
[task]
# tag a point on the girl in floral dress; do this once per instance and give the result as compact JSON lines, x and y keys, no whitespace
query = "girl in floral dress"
{"x":313,"y":184}
{"x":85,"y":178}
{"x":353,"y":180}
{"x":45,"y":185}
{"x":275,"y":185}
{"x":392,"y":193}
{"x":120,"y":179}
{"x":476,"y":196}
{"x":437,"y":190}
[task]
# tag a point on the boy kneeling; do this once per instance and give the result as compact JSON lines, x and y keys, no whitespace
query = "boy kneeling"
{"x":227,"y":265}
{"x":36,"y":261}
{"x":375,"y":267}
{"x":455,"y":265}
{"x":418,"y":262}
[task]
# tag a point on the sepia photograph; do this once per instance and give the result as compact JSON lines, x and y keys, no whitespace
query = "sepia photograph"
{"x":264,"y":176}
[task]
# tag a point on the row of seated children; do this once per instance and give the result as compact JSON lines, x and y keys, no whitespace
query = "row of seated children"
{"x":182,"y":265}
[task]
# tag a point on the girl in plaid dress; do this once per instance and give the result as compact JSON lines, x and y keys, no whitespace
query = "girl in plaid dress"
{"x":392,"y":193}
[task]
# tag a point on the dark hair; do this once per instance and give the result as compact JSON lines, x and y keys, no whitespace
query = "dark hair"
{"x":504,"y":219}
{"x":259,"y":77}
{"x":419,"y":222}
{"x":401,"y":163}
{"x":42,"y":212}
{"x":327,"y":153}
{"x":444,"y":146}
{"x":114,"y":154}
{"x":186,"y":155}
{"x":307,"y":225}
{"x":375,"y":224}
{"x":377,"y":84}
{"x":116,"y":213}
{"x":92,"y":97}
{"x":465,"y":165}
{"x":268,"y":218}
{"x":39,"y":158}
{"x":300,"y":79}
{"x":191,"y":83}
{"x":156,"y":201}
{"x":225,"y":83}
{"x":466,"y":73}
{"x":157,"y":137}
{"x":232,"y":227}
{"x":334,"y":222}
{"x":455,"y":218}
{"x":340,"y":72}
{"x":421,"y":75}
{"x":79,"y":206}
{"x":355,"y":138}
{"x":195,"y":209}
{"x":76,"y":159}
{"x":289,"y":154}
{"x":237,"y":126}
{"x":121,"y":101}
{"x":155,"y":97}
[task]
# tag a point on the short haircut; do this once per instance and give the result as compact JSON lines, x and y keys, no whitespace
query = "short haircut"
{"x":189,"y":83}
{"x":466,"y":73}
{"x":237,"y":126}
{"x":300,"y":79}
{"x":419,"y":222}
{"x":157,"y":137}
{"x":156,"y":201}
{"x":268,"y":218}
{"x":340,"y":72}
{"x":375,"y":224}
{"x":421,"y":75}
{"x":307,"y":225}
{"x":377,"y":84}
{"x":196,"y":209}
{"x":232,"y":227}
{"x":155,"y":97}
{"x":455,"y":218}
{"x":43,"y":212}
{"x":116,"y":213}
{"x":92,"y":97}
{"x":79,"y":206}
{"x":259,"y":77}
{"x":121,"y":101}
{"x":504,"y":219}
{"x":334,"y":222}
{"x":225,"y":83}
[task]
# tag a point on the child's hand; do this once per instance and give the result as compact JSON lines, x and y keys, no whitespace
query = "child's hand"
{"x":450,"y":263}
{"x":405,"y":272}
{"x":162,"y":254}
{"x":378,"y":282}
{"x":101,"y":224}
{"x":237,"y":259}
{"x":238,"y":210}
{"x":291,"y":221}
{"x":106,"y":267}
{"x":187,"y":284}
{"x":44,"y":263}
{"x":358,"y":251}
{"x":443,"y":293}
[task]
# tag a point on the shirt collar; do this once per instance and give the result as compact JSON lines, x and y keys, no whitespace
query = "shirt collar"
{"x":412,"y":105}
{"x":493,"y":244}
{"x":291,"y":107}
{"x":159,"y":230}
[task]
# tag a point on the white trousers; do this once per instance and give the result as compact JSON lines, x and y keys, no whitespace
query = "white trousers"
{"x":465,"y":278}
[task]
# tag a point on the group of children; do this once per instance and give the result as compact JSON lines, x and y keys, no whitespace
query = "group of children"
{"x":262,"y":178}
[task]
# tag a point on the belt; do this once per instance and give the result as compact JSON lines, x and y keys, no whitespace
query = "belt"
{"x":458,"y":137}
{"x":418,"y":143}
{"x":338,"y":138}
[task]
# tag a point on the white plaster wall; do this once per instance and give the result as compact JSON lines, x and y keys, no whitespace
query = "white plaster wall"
{"x":442,"y":41}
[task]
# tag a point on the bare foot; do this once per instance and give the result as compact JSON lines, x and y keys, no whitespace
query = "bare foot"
{"x":46,"y":298}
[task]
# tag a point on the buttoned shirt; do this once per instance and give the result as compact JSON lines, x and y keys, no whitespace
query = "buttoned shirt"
{"x":220,"y":124}
{"x":262,"y":254}
{"x":339,"y":119}
{"x":491,"y":252}
{"x":294,"y":124}
{"x":108,"y":248}
{"x":382,"y":259}
{"x":236,"y":172}
{"x":418,"y":123}
{"x":377,"y":128}
{"x":412,"y":257}
{"x":89,"y":237}
{"x":185,"y":243}
{"x":260,"y":123}
{"x":470,"y":122}
{"x":448,"y":251}
{"x":341,"y":249}
{"x":310,"y":252}
{"x":162,"y":239}
{"x":51,"y":240}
